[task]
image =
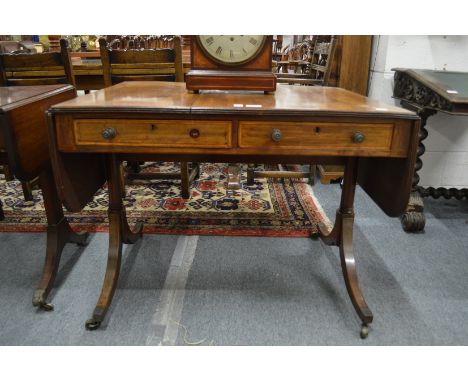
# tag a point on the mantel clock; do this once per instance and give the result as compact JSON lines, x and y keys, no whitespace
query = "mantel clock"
{"x":237,"y":62}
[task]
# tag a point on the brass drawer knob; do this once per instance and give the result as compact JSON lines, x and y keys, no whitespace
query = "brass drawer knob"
{"x":109,"y":133}
{"x":276,"y":135}
{"x":358,"y":137}
{"x":194,"y":133}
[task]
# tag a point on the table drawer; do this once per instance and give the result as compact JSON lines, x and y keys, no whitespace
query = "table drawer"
{"x":315,"y":135}
{"x":155,"y":133}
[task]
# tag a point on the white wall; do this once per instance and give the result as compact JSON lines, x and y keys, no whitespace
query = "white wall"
{"x":445,"y":162}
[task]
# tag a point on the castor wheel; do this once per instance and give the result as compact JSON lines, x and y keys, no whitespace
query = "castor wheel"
{"x":315,"y":235}
{"x":46,"y":307}
{"x":39,"y":301}
{"x":364,"y":331}
{"x":92,"y":324}
{"x":81,"y":239}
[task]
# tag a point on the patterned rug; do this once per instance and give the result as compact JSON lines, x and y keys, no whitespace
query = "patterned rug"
{"x":267,"y":208}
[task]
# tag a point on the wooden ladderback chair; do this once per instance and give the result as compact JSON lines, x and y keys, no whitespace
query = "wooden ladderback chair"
{"x":322,"y":57}
{"x":137,"y":64}
{"x":315,"y":58}
{"x":140,"y":64}
{"x":297,"y":58}
{"x":27,"y":69}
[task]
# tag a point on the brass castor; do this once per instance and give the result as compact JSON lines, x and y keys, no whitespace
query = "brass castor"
{"x":39,"y":301}
{"x":92,"y":324}
{"x":364,"y":331}
{"x":46,"y":307}
{"x":82,"y":239}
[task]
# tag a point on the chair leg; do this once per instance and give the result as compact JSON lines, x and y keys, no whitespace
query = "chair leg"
{"x":184,"y":178}
{"x":2,"y":214}
{"x":234,"y":176}
{"x":7,"y":172}
{"x":250,"y":174}
{"x":27,"y":191}
{"x":135,"y":167}
{"x":28,"y":187}
{"x":312,"y":173}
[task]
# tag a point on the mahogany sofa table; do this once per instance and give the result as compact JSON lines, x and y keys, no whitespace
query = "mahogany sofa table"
{"x":24,"y":147}
{"x":145,"y":121}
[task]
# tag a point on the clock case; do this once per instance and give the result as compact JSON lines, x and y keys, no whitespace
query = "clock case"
{"x":254,"y":75}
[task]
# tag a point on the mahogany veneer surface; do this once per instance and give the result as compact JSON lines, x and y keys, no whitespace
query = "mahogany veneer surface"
{"x":159,"y":95}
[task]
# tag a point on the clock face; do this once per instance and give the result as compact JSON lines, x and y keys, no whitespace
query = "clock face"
{"x":232,"y":50}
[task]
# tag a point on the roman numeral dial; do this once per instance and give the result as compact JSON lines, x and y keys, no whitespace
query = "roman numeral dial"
{"x":232,"y":50}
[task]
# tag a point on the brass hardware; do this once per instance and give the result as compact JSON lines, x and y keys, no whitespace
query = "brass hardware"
{"x":92,"y":324}
{"x":39,"y":301}
{"x":317,"y":130}
{"x":364,"y":331}
{"x":109,"y":133}
{"x":194,"y":133}
{"x":152,"y":126}
{"x":276,"y":135}
{"x":358,"y":137}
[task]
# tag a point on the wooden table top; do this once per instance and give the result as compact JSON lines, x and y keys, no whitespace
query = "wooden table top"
{"x":10,"y":96}
{"x":165,"y":96}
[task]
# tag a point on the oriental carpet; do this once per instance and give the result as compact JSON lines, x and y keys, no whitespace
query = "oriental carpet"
{"x":267,"y":208}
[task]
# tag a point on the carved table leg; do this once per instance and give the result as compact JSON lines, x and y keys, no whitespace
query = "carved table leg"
{"x":413,"y":220}
{"x":58,"y":234}
{"x":342,"y":235}
{"x":119,"y":233}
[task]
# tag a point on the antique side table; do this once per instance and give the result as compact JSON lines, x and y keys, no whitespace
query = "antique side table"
{"x":91,"y":135}
{"x":427,"y":92}
{"x":24,"y":147}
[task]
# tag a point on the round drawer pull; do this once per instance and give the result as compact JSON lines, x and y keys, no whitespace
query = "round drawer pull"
{"x":276,"y":135}
{"x":194,"y":133}
{"x":109,"y":133}
{"x":358,"y":137}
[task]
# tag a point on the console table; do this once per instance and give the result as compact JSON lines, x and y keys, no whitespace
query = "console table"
{"x":24,"y":147}
{"x":427,"y":92}
{"x":145,"y":121}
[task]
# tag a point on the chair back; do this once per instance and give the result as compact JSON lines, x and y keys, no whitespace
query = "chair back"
{"x":322,"y":58}
{"x":27,"y":69}
{"x":138,"y":63}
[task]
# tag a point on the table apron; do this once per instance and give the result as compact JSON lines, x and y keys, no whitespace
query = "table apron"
{"x":209,"y":136}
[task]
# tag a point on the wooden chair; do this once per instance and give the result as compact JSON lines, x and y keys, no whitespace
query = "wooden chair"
{"x":140,"y":64}
{"x":317,"y":54}
{"x":318,"y":63}
{"x":28,"y":69}
{"x":139,"y":42}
